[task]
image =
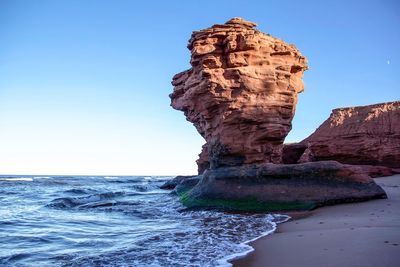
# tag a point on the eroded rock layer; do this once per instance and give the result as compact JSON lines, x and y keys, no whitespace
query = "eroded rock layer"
{"x":240,"y":93}
{"x":363,"y":135}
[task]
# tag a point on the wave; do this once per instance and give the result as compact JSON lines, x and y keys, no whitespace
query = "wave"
{"x":13,"y":258}
{"x":141,"y":188}
{"x":124,"y":180}
{"x":111,"y":177}
{"x":201,"y":238}
{"x":17,"y":179}
{"x":79,"y":191}
{"x":150,"y":187}
{"x":72,"y":202}
{"x":274,"y":219}
{"x":126,"y":221}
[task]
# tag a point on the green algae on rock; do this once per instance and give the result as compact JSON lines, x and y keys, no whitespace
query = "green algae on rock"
{"x":278,"y":187}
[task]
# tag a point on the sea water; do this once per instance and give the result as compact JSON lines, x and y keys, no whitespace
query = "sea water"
{"x":116,"y":221}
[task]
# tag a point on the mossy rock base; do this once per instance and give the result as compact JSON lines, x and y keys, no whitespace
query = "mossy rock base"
{"x":274,"y":188}
{"x":242,"y":205}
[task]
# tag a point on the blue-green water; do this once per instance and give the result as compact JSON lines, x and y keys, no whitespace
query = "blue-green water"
{"x":115,"y":221}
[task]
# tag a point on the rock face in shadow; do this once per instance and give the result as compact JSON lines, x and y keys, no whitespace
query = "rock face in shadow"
{"x":363,"y":135}
{"x":278,"y":187}
{"x":240,"y":93}
{"x":291,"y":153}
{"x":171,"y":184}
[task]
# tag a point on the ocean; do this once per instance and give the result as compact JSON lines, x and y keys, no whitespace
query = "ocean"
{"x":116,"y":221}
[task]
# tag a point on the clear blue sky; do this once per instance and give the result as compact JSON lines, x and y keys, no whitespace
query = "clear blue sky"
{"x":84,"y":84}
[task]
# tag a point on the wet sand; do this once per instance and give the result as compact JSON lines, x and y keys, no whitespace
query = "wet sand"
{"x":363,"y":234}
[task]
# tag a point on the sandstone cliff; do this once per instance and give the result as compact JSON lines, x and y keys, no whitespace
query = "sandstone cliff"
{"x":363,"y":135}
{"x":240,"y":93}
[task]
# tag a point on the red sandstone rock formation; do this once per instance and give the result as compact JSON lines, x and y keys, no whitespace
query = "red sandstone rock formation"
{"x":240,"y":93}
{"x":364,"y":135}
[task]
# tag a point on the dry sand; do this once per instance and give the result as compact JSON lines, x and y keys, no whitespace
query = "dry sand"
{"x":350,"y":235}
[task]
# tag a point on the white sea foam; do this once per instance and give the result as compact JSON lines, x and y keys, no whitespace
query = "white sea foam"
{"x":137,"y":211}
{"x":225,"y":262}
{"x":111,"y":177}
{"x":19,"y":179}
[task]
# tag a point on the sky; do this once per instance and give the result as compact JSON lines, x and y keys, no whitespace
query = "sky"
{"x":84,"y":85}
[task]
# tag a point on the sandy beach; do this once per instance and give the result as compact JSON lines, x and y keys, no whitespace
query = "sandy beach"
{"x":360,"y":234}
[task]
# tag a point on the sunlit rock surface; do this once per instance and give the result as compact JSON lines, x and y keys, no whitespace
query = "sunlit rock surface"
{"x":363,"y":135}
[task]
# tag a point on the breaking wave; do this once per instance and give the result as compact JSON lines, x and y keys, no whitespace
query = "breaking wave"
{"x":118,"y":221}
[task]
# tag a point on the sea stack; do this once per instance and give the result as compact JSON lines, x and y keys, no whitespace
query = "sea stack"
{"x":241,"y":95}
